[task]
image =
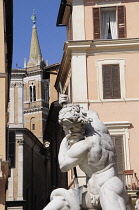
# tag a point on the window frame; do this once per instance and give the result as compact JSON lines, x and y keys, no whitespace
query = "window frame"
{"x":121,"y":128}
{"x":121,"y":63}
{"x":108,"y":71}
{"x":120,"y":19}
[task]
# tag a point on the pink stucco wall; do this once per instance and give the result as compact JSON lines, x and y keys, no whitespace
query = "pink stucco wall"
{"x":119,"y":111}
{"x":131,"y":73}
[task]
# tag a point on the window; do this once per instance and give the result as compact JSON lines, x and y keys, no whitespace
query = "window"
{"x":118,"y":143}
{"x":33,"y":126}
{"x":111,"y":81}
{"x":32,"y":91}
{"x":46,"y":93}
{"x":32,"y":123}
{"x":12,"y":148}
{"x":30,"y":88}
{"x":119,"y":132}
{"x":109,"y":22}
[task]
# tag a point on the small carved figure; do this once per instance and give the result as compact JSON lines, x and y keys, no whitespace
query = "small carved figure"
{"x":88,"y":144}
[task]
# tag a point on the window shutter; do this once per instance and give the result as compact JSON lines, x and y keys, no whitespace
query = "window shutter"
{"x":118,"y":142}
{"x":96,"y":17}
{"x":121,"y":22}
{"x":116,"y":93}
{"x":111,"y":81}
{"x":107,"y":89}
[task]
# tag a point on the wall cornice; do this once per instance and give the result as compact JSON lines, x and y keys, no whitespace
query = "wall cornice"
{"x":17,"y":84}
{"x":120,"y":124}
{"x":91,"y":47}
{"x":99,"y":45}
{"x":42,"y":109}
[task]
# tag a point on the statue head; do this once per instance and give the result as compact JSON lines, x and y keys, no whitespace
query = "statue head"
{"x":73,"y":118}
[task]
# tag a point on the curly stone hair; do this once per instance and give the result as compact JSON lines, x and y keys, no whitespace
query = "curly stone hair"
{"x":73,"y":113}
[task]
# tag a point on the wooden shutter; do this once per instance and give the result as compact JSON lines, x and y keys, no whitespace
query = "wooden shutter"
{"x":118,"y":143}
{"x":107,"y":89}
{"x":96,"y":18}
{"x":121,"y":22}
{"x":111,"y":81}
{"x":116,"y":93}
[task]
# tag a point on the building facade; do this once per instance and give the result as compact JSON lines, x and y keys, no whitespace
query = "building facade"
{"x":99,"y":71}
{"x":29,"y":181}
{"x":6,"y":41}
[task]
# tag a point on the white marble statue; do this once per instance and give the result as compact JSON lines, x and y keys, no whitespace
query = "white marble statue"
{"x":137,"y":204}
{"x":88,"y":144}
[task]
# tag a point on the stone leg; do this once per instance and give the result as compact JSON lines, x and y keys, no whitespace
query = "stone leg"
{"x":58,"y":203}
{"x":113,"y":195}
{"x":62,"y":199}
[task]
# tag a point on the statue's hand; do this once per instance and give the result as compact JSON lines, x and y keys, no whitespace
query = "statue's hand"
{"x":68,"y":136}
{"x":63,"y":99}
{"x":71,"y":140}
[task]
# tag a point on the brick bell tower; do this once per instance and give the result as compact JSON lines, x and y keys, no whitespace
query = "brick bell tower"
{"x":36,"y":88}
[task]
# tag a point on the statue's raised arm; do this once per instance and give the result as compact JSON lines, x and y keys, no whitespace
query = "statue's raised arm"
{"x":74,"y":146}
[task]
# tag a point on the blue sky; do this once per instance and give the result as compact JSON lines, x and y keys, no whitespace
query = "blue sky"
{"x":51,"y":38}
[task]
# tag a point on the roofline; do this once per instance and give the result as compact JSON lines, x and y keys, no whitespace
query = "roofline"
{"x":62,"y":7}
{"x":52,"y":65}
{"x":30,"y":134}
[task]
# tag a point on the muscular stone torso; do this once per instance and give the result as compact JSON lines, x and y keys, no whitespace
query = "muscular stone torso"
{"x":100,"y":155}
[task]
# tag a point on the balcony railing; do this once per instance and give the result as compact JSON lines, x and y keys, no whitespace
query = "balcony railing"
{"x":131,"y":180}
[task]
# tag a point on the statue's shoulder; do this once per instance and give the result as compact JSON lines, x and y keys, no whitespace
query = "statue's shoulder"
{"x":96,"y":123}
